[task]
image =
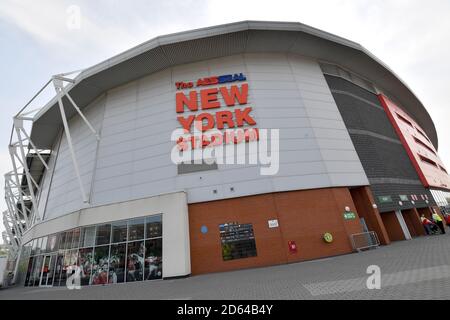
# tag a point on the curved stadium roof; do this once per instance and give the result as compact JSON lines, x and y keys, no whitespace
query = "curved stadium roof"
{"x":224,"y":40}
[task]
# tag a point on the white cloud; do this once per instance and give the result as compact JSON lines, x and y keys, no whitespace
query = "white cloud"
{"x":107,"y":27}
{"x":46,"y":22}
{"x":38,"y":18}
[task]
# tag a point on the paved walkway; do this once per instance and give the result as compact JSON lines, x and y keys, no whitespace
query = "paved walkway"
{"x":416,"y":269}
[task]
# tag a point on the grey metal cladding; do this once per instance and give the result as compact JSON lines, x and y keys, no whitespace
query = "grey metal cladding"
{"x":360,"y":114}
{"x":384,"y":159}
{"x":206,"y":48}
{"x":373,"y":134}
{"x":132,"y":69}
{"x":270,"y":41}
{"x":337,"y":83}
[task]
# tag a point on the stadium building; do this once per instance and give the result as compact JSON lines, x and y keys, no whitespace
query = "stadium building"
{"x":94,"y":184}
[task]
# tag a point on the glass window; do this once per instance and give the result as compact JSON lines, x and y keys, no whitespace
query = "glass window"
{"x":86,"y":261}
{"x":153,"y":226}
{"x":119,"y":231}
{"x":58,"y":270}
{"x":136,"y":229}
{"x":135,"y":261}
{"x":30,"y":247}
{"x":87,"y":236}
{"x":100,"y":265}
{"x":38,"y":246}
{"x":62,"y":240}
{"x":68,"y":243}
{"x":52,"y":243}
{"x":128,"y":258}
{"x":70,"y":259}
{"x":44,"y":244}
{"x":76,"y":238}
{"x":238,"y":241}
{"x":36,"y":274}
{"x":74,"y":257}
{"x":103,"y":235}
{"x":153,"y":259}
{"x":33,"y":247}
{"x":51,"y":270}
{"x":46,"y":270}
{"x":117,"y":263}
{"x":29,"y":271}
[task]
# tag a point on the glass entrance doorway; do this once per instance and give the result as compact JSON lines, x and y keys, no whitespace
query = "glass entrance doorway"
{"x":48,"y":271}
{"x":121,"y":251}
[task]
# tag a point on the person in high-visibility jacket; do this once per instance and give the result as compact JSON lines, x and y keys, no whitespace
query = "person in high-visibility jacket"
{"x":438,"y":220}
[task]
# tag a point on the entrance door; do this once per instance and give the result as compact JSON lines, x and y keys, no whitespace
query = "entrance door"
{"x":403,"y":225}
{"x":37,"y":270}
{"x":48,"y":270}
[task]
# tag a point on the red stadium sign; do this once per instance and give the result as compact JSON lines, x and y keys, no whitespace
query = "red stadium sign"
{"x":200,"y":103}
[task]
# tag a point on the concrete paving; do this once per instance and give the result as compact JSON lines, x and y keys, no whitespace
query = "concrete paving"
{"x":416,"y":269}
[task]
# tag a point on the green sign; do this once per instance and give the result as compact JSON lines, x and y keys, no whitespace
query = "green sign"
{"x":349,"y":216}
{"x":385,"y":199}
{"x":404,"y":198}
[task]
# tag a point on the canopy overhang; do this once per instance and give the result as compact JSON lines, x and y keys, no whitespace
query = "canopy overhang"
{"x":225,"y":40}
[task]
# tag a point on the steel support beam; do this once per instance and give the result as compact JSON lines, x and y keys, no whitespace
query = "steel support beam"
{"x":27,"y":173}
{"x":12,"y":153}
{"x":58,"y":83}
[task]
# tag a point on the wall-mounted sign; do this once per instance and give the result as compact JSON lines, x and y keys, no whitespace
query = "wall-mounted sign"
{"x":195,"y":113}
{"x":204,"y":229}
{"x":349,"y":215}
{"x":385,"y":199}
{"x":273,"y":223}
{"x":211,"y":81}
{"x":328,"y":237}
{"x":404,"y":197}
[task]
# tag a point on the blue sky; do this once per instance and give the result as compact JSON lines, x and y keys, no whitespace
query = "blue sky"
{"x":411,"y":36}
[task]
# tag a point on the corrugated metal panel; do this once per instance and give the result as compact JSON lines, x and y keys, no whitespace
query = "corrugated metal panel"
{"x":206,"y":48}
{"x":383,"y":157}
{"x":270,"y":41}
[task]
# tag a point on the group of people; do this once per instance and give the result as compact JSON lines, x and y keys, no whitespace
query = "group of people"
{"x":436,"y":224}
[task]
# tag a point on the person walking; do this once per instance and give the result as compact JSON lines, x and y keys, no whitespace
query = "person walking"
{"x":438,"y":220}
{"x":426,"y":224}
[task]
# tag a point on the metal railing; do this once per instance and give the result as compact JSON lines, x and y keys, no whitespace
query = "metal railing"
{"x":364,"y":241}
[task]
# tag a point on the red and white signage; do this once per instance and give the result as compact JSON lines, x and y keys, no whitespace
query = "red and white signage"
{"x":215,"y":109}
{"x":421,"y":151}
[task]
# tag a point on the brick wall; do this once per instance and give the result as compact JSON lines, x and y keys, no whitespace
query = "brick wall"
{"x":304,"y":216}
